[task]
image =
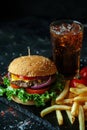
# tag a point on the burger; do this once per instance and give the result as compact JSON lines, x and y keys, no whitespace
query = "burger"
{"x":30,"y":80}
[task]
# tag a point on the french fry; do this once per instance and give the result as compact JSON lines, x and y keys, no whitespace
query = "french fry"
{"x":71,"y":95}
{"x":64,"y":92}
{"x":85,"y":107}
{"x":83,"y":94}
{"x":71,"y":100}
{"x":85,"y":103}
{"x":80,"y":85}
{"x":58,"y":114}
{"x":59,"y":117}
{"x":74,"y":109}
{"x":78,"y":91}
{"x":66,"y":101}
{"x":70,"y":116}
{"x":80,"y":99}
{"x":81,"y":118}
{"x":53,"y":108}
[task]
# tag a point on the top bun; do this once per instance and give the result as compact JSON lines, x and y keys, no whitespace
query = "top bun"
{"x":31,"y":66}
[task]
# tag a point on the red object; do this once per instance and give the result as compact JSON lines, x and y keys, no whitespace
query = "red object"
{"x":74,"y":82}
{"x":25,"y":77}
{"x":32,"y":91}
{"x":14,"y":86}
{"x":31,"y":78}
{"x":83,"y":72}
{"x":37,"y":91}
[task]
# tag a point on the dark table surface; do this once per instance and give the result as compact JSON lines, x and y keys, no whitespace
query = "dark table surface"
{"x":15,"y":37}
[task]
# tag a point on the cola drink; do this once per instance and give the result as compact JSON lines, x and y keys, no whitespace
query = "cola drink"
{"x":66,"y":39}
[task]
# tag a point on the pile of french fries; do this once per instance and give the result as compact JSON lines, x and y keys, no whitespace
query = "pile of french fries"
{"x":73,"y":101}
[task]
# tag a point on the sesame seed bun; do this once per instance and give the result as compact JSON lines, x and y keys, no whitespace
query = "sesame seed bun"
{"x":31,"y":66}
{"x":17,"y":100}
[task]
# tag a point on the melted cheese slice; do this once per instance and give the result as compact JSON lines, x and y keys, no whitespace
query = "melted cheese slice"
{"x":15,"y":78}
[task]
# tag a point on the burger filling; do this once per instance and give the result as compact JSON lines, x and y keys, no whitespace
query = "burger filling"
{"x":31,"y":82}
{"x":38,"y":89}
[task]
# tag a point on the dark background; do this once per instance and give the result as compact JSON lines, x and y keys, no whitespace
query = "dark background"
{"x":25,"y":23}
{"x":48,"y":9}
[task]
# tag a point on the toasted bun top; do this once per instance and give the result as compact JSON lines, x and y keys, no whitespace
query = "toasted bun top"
{"x":31,"y":66}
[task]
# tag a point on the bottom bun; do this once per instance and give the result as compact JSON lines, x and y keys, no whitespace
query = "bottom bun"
{"x":17,"y":100}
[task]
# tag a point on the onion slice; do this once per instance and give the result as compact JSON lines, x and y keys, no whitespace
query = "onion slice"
{"x":48,"y":82}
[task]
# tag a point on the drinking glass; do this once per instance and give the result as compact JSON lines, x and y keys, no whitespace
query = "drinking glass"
{"x":66,"y":39}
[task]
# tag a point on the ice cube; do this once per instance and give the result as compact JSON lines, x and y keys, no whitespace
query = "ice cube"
{"x":75,"y":28}
{"x":63,"y":28}
{"x":69,"y":26}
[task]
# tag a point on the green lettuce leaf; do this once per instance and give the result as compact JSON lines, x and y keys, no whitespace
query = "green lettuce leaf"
{"x":39,"y":99}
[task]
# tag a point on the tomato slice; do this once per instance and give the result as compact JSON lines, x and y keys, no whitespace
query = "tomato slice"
{"x":37,"y":91}
{"x":14,"y":86}
{"x":26,"y":78}
{"x":73,"y":82}
{"x":32,"y":91}
{"x":83,"y":72}
{"x":22,"y":77}
{"x":29,"y":78}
